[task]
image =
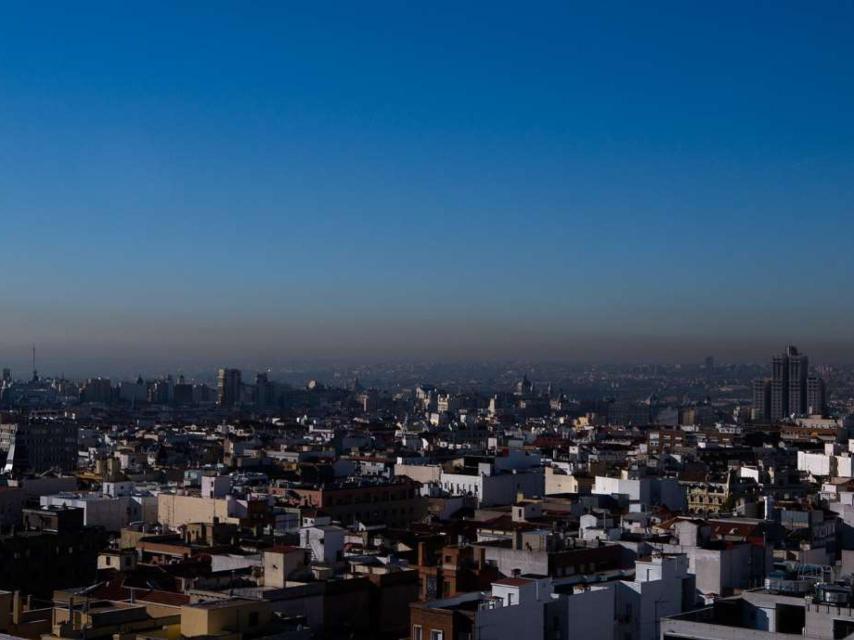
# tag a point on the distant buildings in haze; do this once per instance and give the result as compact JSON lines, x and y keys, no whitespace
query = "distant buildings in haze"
{"x":791,"y":390}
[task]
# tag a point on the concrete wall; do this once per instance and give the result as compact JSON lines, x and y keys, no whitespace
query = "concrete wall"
{"x":202,"y":621}
{"x":556,"y":483}
{"x":590,"y":615}
{"x":647,"y":491}
{"x":110,"y":513}
{"x":522,"y":620}
{"x":495,"y":489}
{"x":302,"y":600}
{"x":507,"y":560}
{"x":722,"y":570}
{"x":174,"y":510}
{"x":423,"y":473}
{"x":643,"y":604}
{"x":818,"y":464}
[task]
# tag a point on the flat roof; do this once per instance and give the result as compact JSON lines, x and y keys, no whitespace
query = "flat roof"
{"x":221,"y":604}
{"x":513,"y":582}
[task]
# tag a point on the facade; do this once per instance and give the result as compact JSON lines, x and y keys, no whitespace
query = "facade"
{"x":452,"y":569}
{"x":396,"y":503}
{"x":39,"y":445}
{"x":110,"y":512}
{"x":816,"y":396}
{"x":557,"y":481}
{"x":761,"y":401}
{"x":644,"y":491}
{"x":663,"y":586}
{"x":177,"y":510}
{"x":536,"y":607}
{"x":798,"y":372}
{"x":707,"y":498}
{"x":228,"y":387}
{"x":280,"y":563}
{"x":53,"y":552}
{"x":740,"y":560}
{"x":229,"y":617}
{"x":490,"y":486}
{"x":830,"y":463}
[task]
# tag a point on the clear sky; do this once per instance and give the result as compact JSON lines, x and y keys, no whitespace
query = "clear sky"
{"x":245,"y":182}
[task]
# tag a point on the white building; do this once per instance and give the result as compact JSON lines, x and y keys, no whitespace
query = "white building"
{"x":111,"y":513}
{"x":526,"y":607}
{"x":644,"y":491}
{"x":662,"y":587}
{"x":215,"y":486}
{"x":325,"y":542}
{"x":833,"y":462}
{"x":493,"y":487}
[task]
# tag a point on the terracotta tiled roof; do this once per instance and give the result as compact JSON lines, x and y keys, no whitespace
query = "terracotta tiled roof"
{"x":116,"y":591}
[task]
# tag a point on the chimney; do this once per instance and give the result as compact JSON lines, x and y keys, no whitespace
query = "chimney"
{"x":16,"y":608}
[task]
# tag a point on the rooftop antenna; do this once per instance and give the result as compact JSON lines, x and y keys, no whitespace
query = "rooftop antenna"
{"x":35,"y":372}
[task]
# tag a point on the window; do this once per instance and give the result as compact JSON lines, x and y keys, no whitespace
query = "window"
{"x":417,"y":632}
{"x":435,"y":634}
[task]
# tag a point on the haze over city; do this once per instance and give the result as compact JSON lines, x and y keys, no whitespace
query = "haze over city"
{"x":197,"y":184}
{"x":424,"y":320}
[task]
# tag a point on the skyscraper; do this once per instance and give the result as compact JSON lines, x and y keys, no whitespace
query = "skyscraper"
{"x":798,"y":369}
{"x":761,"y":401}
{"x":263,"y":391}
{"x":788,"y":393}
{"x":816,"y":397}
{"x":228,"y":387}
{"x":779,"y":397}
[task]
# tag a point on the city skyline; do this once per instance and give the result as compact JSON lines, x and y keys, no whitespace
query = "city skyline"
{"x":216,"y":186}
{"x":64,"y":363}
{"x":18,"y":368}
{"x":427,"y":321}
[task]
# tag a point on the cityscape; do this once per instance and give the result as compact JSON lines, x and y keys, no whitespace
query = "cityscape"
{"x":648,"y":501}
{"x":427,"y":320}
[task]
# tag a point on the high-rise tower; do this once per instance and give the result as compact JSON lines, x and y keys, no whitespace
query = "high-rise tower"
{"x":798,"y":369}
{"x":790,"y":390}
{"x":779,"y":398}
{"x":228,"y":387}
{"x":816,"y":401}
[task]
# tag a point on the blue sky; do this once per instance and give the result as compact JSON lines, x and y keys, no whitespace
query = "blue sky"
{"x":253,"y":181}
